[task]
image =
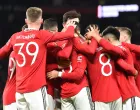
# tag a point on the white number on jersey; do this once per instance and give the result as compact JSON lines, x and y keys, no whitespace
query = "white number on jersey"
{"x":12,"y":67}
{"x":34,"y":54}
{"x":107,"y":63}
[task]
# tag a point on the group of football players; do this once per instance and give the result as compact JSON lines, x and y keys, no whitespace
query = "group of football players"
{"x":51,"y":70}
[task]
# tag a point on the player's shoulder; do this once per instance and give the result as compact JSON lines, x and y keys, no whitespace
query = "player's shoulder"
{"x":43,"y":31}
{"x":99,"y":49}
{"x":17,"y":33}
{"x":124,"y":48}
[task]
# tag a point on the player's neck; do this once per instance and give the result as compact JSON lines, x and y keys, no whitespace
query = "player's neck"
{"x":34,"y":26}
{"x":116,"y":43}
{"x":128,"y":41}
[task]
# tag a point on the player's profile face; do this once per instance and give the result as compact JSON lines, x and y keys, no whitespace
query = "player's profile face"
{"x":105,"y":37}
{"x":122,"y":36}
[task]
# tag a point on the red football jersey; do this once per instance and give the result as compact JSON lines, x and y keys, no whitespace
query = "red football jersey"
{"x":61,"y":49}
{"x":126,"y":82}
{"x":136,"y":57}
{"x":10,"y":88}
{"x":101,"y":71}
{"x":30,"y":54}
{"x":137,"y":66}
{"x":74,"y":78}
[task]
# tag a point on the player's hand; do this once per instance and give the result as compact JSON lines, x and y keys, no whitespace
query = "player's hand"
{"x":70,"y":23}
{"x":52,"y":74}
{"x":88,"y":41}
{"x":136,"y":73}
{"x":93,"y":31}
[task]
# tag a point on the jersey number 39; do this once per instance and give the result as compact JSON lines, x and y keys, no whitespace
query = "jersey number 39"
{"x":34,"y":54}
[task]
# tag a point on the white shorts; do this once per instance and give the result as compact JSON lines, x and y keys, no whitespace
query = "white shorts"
{"x":132,"y":104}
{"x":37,"y":100}
{"x":12,"y":106}
{"x":51,"y":102}
{"x":115,"y":105}
{"x":81,"y":101}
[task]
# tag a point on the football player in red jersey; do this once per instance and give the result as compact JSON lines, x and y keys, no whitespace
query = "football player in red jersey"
{"x":52,"y":26}
{"x":125,"y":38}
{"x":104,"y":88}
{"x":125,"y":81}
{"x":30,"y":54}
{"x":9,"y":101}
{"x":65,"y":45}
{"x":75,"y":94}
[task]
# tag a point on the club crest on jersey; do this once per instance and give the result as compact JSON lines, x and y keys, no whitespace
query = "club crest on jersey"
{"x":121,"y":47}
{"x":98,"y":49}
{"x":79,"y":59}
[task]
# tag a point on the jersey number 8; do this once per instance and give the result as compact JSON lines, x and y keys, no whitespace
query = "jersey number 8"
{"x":107,"y":63}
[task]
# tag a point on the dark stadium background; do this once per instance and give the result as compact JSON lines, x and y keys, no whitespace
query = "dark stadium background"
{"x":12,"y":15}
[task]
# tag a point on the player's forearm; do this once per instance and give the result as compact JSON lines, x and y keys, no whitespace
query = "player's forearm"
{"x":127,"y":67}
{"x":69,"y":33}
{"x":66,"y":51}
{"x":115,"y":50}
{"x":76,"y":75}
{"x":85,"y":48}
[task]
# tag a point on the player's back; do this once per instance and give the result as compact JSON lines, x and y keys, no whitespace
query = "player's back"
{"x":10,"y":88}
{"x":30,"y":57}
{"x":101,"y":72}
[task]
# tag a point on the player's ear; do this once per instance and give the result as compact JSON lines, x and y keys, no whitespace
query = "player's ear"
{"x":41,"y":20}
{"x":64,"y":24}
{"x":26,"y":21}
{"x":125,"y":38}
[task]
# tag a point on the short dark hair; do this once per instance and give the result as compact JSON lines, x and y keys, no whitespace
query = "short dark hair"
{"x":111,"y":30}
{"x":88,"y":27}
{"x":50,"y":23}
{"x":70,"y":15}
{"x":24,"y":26}
{"x":127,"y":30}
